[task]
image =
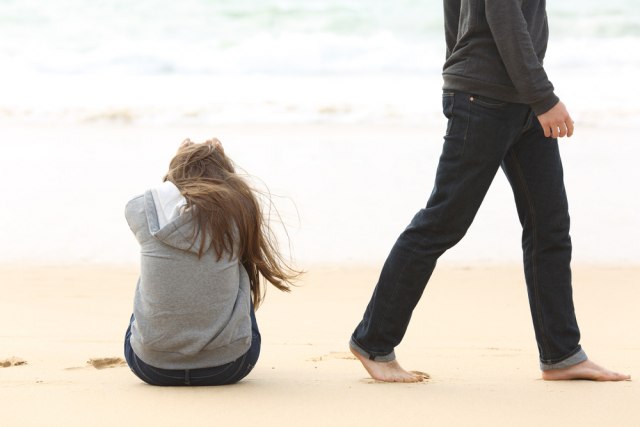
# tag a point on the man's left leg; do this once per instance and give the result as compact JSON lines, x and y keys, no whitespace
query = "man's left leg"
{"x":534,"y":169}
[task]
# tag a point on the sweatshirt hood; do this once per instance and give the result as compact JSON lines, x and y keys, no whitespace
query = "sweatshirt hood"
{"x":168,"y":219}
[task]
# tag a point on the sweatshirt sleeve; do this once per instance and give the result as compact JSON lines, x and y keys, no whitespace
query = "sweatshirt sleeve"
{"x":135,"y":215}
{"x":509,"y":29}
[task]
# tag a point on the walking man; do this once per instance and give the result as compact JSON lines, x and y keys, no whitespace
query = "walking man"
{"x":502,"y":113}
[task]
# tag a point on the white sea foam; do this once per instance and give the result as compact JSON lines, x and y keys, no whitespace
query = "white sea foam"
{"x":94,"y":96}
{"x":275,"y":61}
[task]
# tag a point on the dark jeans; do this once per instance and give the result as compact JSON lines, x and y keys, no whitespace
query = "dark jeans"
{"x":229,"y":373}
{"x":483,"y":135}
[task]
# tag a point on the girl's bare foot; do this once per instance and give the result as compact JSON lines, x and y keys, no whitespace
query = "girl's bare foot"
{"x":390,"y":372}
{"x":586,"y":370}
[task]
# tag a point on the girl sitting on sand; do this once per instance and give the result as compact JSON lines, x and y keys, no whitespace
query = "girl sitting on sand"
{"x":204,"y":244}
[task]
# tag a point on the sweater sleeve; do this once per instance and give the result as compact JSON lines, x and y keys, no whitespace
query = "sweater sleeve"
{"x":509,"y":29}
{"x":451,"y":16}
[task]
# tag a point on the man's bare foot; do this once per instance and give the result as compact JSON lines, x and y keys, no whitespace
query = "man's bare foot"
{"x":390,"y":372}
{"x":586,"y":370}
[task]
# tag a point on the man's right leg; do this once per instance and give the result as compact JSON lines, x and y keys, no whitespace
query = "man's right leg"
{"x":478,"y":136}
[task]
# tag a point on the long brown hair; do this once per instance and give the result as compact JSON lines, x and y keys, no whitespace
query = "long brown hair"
{"x":227,"y":214}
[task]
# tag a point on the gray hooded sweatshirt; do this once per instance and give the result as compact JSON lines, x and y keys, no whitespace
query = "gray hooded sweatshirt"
{"x":189,"y":312}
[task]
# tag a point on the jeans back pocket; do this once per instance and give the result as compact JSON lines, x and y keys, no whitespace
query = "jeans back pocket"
{"x":447,"y":109}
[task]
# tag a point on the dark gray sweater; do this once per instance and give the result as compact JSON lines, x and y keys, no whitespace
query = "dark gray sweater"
{"x":495,"y":48}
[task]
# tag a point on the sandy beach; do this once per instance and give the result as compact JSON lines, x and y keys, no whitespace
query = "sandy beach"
{"x":471,"y":333}
{"x":68,"y":273}
{"x":344,"y":192}
{"x":334,"y":109}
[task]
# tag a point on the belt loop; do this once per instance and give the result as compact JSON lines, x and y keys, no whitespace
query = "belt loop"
{"x":187,"y":380}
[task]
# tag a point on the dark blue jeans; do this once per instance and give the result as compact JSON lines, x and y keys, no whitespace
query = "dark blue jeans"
{"x":484,"y":135}
{"x":229,"y":373}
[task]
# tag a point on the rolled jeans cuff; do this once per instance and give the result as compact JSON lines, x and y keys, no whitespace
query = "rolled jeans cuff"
{"x":574,"y":359}
{"x":372,"y":356}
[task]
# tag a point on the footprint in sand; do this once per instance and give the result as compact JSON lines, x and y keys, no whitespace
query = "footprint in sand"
{"x":107,"y":362}
{"x":101,"y":363}
{"x":333,"y":355}
{"x":12,"y":361}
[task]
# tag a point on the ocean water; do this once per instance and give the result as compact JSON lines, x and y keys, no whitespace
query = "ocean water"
{"x":95,"y":95}
{"x":282,"y":61}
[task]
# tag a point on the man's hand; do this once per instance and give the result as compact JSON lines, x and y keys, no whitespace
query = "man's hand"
{"x":556,"y":122}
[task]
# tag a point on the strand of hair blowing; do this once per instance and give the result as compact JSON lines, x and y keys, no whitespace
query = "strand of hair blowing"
{"x":227,"y":214}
